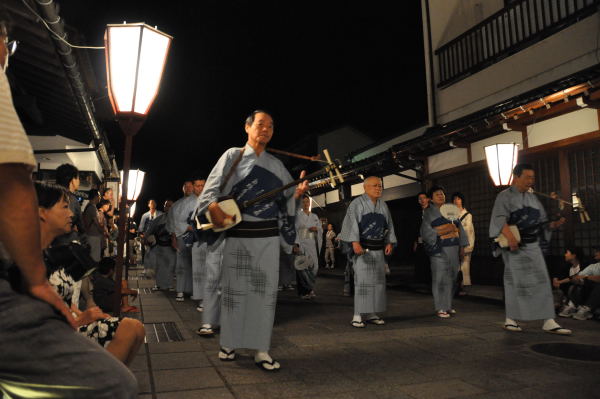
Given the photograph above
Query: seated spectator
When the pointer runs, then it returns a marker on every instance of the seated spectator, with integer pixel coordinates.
(104, 288)
(563, 280)
(40, 354)
(591, 293)
(121, 337)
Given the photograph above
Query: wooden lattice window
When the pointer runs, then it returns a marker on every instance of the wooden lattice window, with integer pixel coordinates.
(584, 169)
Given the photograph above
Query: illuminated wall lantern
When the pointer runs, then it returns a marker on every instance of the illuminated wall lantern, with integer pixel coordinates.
(501, 160)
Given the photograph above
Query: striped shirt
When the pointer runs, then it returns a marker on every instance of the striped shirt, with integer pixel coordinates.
(14, 145)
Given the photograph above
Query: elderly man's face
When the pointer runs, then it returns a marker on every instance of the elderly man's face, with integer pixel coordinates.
(373, 187)
(261, 129)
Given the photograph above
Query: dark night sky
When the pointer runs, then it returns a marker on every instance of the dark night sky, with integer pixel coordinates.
(316, 65)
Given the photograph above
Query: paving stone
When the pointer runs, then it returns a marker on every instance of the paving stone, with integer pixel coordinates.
(209, 393)
(173, 347)
(143, 380)
(165, 307)
(245, 371)
(160, 316)
(140, 363)
(186, 379)
(166, 361)
(286, 389)
(440, 389)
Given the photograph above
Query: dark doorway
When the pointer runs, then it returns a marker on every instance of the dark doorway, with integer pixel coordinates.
(406, 215)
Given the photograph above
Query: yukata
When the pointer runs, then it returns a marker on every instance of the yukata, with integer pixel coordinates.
(250, 264)
(466, 219)
(527, 289)
(287, 273)
(370, 224)
(310, 245)
(443, 255)
(177, 223)
(162, 256)
(147, 219)
(198, 269)
(211, 282)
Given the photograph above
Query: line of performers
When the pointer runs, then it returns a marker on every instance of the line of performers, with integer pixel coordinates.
(236, 274)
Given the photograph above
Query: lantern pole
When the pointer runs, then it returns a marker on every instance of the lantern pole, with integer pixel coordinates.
(129, 127)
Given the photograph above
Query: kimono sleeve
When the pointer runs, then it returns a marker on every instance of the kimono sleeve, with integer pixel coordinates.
(470, 230)
(546, 233)
(212, 187)
(500, 214)
(464, 240)
(287, 213)
(350, 231)
(319, 233)
(430, 238)
(170, 225)
(391, 236)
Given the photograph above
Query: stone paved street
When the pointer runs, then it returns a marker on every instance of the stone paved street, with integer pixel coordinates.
(415, 355)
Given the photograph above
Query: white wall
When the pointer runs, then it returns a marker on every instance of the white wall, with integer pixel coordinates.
(562, 127)
(357, 189)
(332, 196)
(448, 159)
(395, 180)
(319, 199)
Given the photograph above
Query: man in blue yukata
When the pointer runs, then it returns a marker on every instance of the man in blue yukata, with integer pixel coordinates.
(178, 225)
(368, 226)
(527, 289)
(250, 262)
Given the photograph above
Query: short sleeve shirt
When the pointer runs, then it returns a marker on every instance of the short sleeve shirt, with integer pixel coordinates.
(14, 145)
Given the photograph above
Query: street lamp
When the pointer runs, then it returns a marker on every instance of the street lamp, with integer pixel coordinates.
(501, 160)
(136, 55)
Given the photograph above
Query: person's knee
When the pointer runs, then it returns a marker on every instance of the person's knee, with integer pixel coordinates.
(137, 329)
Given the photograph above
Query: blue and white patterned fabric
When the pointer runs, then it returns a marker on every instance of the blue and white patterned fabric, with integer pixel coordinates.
(250, 266)
(527, 290)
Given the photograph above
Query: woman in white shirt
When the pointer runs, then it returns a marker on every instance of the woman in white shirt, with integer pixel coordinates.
(466, 219)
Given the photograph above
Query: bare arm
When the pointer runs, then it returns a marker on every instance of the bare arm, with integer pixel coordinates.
(20, 233)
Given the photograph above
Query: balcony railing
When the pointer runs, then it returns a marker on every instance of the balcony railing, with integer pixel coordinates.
(515, 27)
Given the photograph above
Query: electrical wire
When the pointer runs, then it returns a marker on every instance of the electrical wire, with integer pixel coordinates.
(56, 34)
